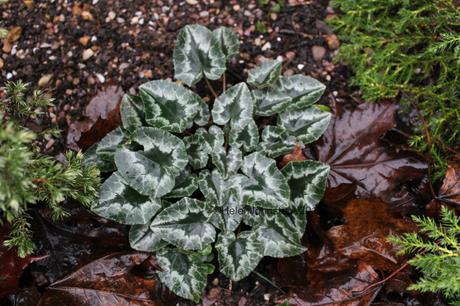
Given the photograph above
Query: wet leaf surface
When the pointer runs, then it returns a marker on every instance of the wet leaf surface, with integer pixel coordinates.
(101, 116)
(449, 193)
(11, 266)
(105, 281)
(361, 163)
(73, 242)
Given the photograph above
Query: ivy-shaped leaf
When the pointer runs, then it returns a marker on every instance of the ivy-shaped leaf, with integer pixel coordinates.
(289, 93)
(183, 273)
(197, 54)
(238, 256)
(266, 74)
(152, 171)
(276, 141)
(121, 203)
(132, 112)
(185, 185)
(185, 224)
(235, 105)
(168, 105)
(216, 189)
(307, 181)
(228, 41)
(266, 186)
(227, 163)
(142, 238)
(307, 125)
(246, 138)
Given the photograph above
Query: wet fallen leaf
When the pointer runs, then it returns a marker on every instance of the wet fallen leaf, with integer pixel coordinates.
(361, 163)
(73, 242)
(11, 266)
(363, 236)
(102, 115)
(296, 154)
(449, 193)
(105, 281)
(343, 290)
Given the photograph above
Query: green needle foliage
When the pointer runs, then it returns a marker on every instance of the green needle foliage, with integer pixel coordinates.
(410, 48)
(28, 177)
(438, 254)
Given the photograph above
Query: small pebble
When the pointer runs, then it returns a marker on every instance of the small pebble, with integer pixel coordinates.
(100, 78)
(300, 66)
(267, 46)
(87, 54)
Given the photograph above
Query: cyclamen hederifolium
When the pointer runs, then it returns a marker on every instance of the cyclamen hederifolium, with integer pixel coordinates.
(180, 170)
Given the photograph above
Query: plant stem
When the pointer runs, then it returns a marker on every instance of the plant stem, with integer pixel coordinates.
(210, 87)
(268, 281)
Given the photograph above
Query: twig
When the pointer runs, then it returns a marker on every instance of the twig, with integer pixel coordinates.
(403, 266)
(210, 87)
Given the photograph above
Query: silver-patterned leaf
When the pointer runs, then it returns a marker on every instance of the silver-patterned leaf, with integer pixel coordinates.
(266, 186)
(132, 112)
(198, 150)
(246, 138)
(185, 185)
(105, 149)
(152, 171)
(203, 115)
(280, 234)
(307, 181)
(276, 141)
(293, 92)
(142, 238)
(183, 273)
(266, 74)
(216, 189)
(197, 53)
(168, 105)
(238, 256)
(122, 204)
(307, 125)
(228, 41)
(227, 163)
(235, 105)
(185, 224)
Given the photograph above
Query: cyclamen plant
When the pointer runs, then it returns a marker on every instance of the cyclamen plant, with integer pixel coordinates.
(189, 176)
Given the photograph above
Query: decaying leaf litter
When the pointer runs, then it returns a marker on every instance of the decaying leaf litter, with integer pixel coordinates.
(348, 260)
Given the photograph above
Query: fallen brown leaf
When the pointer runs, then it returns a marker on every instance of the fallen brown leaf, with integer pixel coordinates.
(102, 115)
(13, 35)
(296, 154)
(105, 281)
(11, 266)
(361, 163)
(339, 290)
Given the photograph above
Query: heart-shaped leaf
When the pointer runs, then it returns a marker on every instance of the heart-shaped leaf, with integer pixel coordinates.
(185, 224)
(266, 186)
(216, 189)
(228, 41)
(238, 256)
(185, 184)
(169, 106)
(307, 182)
(142, 238)
(198, 150)
(132, 112)
(197, 54)
(266, 74)
(279, 233)
(246, 138)
(203, 115)
(152, 171)
(185, 274)
(227, 163)
(276, 141)
(121, 203)
(104, 153)
(235, 105)
(293, 92)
